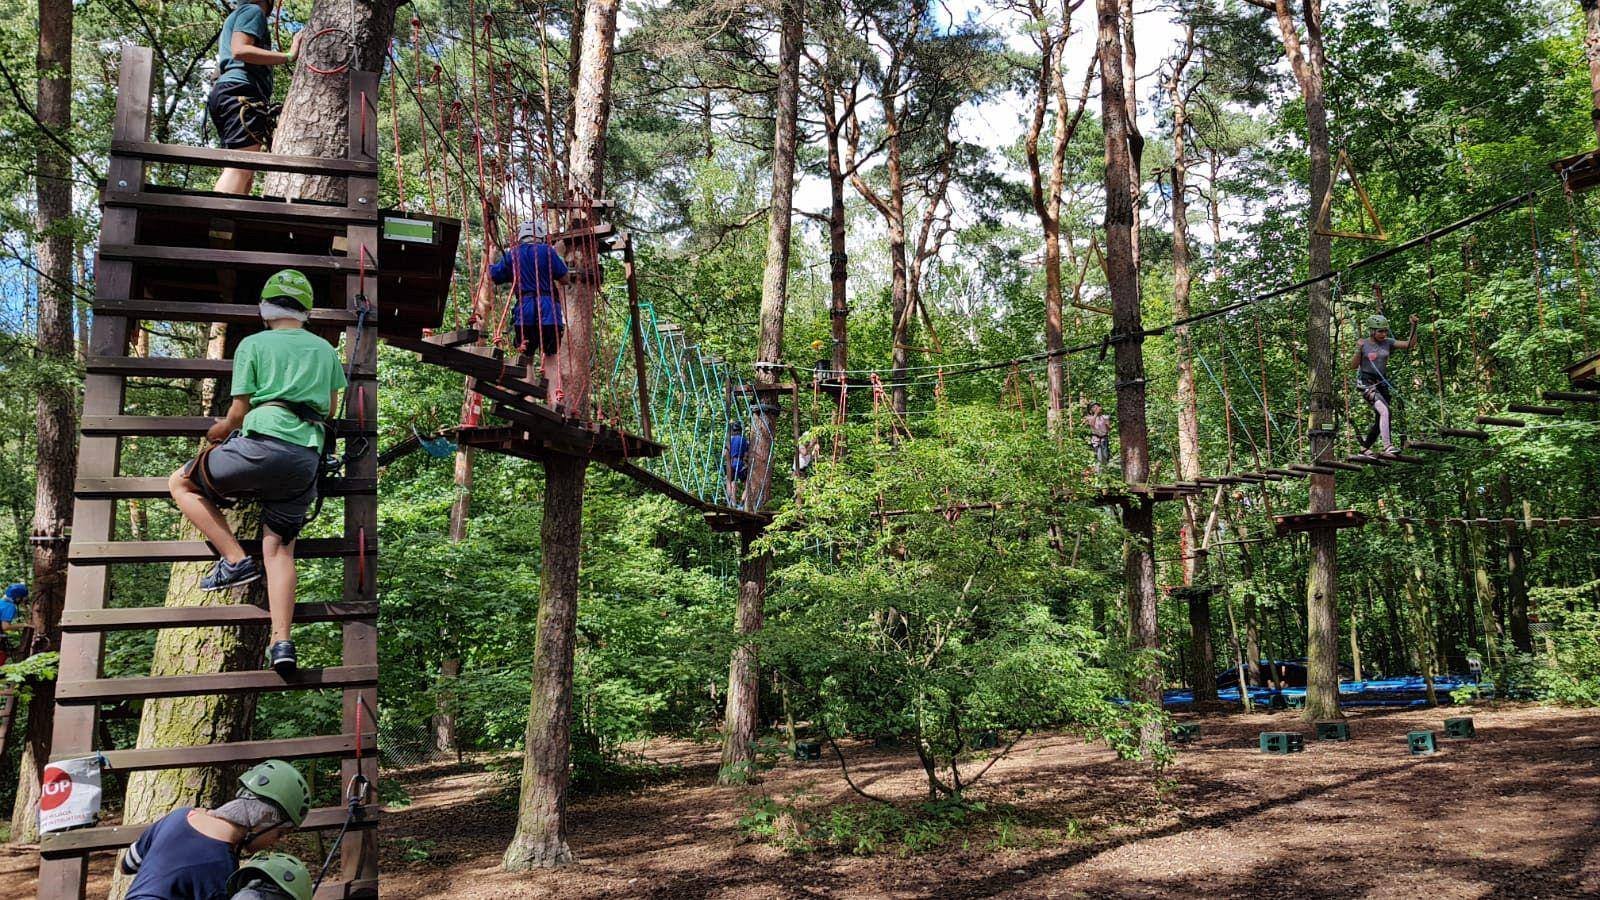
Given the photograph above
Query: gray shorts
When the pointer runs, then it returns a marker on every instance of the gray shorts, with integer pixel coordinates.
(279, 475)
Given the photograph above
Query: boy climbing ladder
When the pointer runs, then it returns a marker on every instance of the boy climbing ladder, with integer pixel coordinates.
(269, 447)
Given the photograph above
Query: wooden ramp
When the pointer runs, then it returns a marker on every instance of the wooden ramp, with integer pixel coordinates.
(168, 256)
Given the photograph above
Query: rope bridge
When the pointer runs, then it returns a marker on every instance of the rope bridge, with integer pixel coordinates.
(693, 400)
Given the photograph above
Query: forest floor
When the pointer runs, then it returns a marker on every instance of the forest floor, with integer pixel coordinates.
(1512, 813)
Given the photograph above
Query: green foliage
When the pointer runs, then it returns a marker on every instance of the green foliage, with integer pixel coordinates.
(872, 829)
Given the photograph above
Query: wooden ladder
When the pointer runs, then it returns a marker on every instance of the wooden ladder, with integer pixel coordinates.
(135, 282)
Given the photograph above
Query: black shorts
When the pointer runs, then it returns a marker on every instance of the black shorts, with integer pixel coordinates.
(242, 117)
(549, 337)
(279, 475)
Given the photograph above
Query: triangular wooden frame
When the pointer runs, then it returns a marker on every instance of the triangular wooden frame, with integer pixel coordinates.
(1321, 227)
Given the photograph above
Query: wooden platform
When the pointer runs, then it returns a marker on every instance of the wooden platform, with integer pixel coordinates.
(1580, 171)
(1297, 522)
(1585, 373)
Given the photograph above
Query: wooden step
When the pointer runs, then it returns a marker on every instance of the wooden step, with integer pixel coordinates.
(1313, 470)
(482, 363)
(1501, 421)
(240, 753)
(1432, 446)
(155, 487)
(181, 154)
(206, 257)
(176, 367)
(453, 338)
(1468, 433)
(1367, 459)
(1534, 409)
(1406, 458)
(101, 553)
(1570, 396)
(1337, 464)
(312, 214)
(197, 311)
(148, 617)
(183, 426)
(110, 690)
(115, 837)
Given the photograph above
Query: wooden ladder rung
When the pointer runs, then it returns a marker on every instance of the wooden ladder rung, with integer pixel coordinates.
(1535, 409)
(240, 752)
(242, 209)
(1501, 421)
(174, 367)
(115, 837)
(228, 313)
(101, 553)
(183, 426)
(154, 487)
(1338, 464)
(140, 618)
(1432, 446)
(1570, 396)
(111, 690)
(1473, 434)
(235, 259)
(453, 338)
(262, 162)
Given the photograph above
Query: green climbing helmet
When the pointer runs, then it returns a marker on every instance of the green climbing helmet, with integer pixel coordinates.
(289, 283)
(283, 870)
(282, 785)
(1377, 323)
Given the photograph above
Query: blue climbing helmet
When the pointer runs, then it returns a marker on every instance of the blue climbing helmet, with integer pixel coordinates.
(17, 592)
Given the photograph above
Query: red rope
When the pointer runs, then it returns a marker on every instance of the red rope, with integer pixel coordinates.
(394, 121)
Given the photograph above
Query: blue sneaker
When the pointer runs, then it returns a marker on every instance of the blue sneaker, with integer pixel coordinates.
(281, 657)
(226, 575)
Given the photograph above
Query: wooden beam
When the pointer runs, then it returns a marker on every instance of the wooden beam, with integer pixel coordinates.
(82, 841)
(1501, 421)
(185, 426)
(101, 553)
(155, 487)
(305, 214)
(237, 753)
(182, 154)
(197, 311)
(140, 618)
(206, 257)
(110, 690)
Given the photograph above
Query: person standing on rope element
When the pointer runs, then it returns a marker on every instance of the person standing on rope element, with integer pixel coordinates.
(736, 464)
(193, 854)
(533, 268)
(240, 104)
(1099, 425)
(1372, 376)
(269, 447)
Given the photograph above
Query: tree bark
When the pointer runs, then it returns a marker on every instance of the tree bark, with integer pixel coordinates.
(541, 835)
(1322, 579)
(315, 114)
(744, 673)
(1516, 574)
(55, 412)
(1591, 46)
(540, 840)
(1127, 325)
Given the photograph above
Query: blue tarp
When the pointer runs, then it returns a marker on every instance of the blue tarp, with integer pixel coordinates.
(1408, 691)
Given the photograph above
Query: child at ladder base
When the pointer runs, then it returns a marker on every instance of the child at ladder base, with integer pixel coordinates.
(1372, 377)
(269, 448)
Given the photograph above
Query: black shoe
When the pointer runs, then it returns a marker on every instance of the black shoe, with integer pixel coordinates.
(281, 655)
(226, 575)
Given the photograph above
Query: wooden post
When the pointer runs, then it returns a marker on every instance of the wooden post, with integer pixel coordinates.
(88, 586)
(359, 854)
(637, 336)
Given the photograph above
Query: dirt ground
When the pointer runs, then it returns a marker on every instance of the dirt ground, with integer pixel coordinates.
(1513, 813)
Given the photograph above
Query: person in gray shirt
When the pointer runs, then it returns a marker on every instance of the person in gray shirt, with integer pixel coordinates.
(1372, 376)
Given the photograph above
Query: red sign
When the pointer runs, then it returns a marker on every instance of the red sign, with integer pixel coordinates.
(56, 789)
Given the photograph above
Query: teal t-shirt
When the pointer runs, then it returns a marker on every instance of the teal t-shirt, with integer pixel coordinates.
(249, 19)
(289, 364)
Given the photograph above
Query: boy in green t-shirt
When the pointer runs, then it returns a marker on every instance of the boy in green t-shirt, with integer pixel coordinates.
(268, 449)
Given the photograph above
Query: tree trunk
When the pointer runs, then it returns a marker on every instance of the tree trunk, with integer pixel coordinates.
(541, 836)
(1322, 579)
(744, 673)
(1132, 431)
(742, 717)
(55, 412)
(1591, 43)
(838, 258)
(1046, 192)
(1516, 574)
(315, 114)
